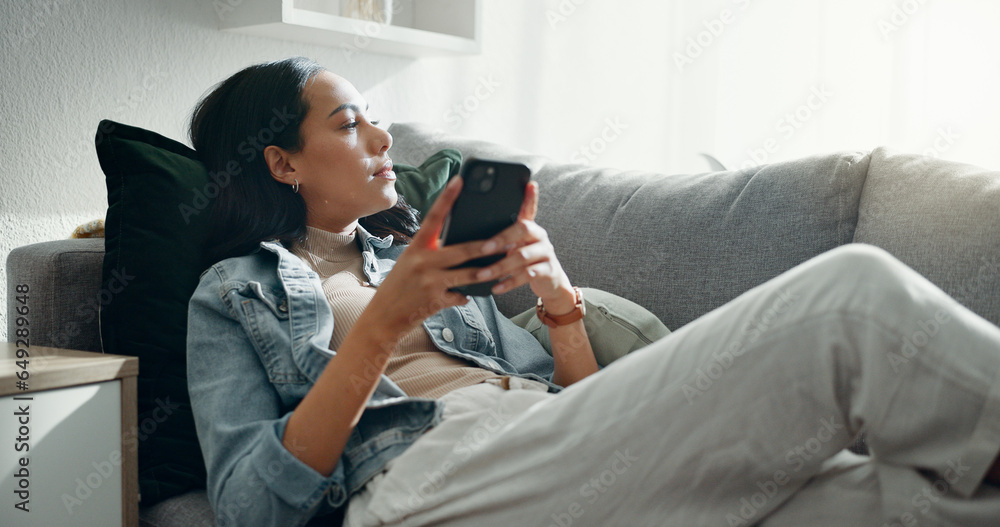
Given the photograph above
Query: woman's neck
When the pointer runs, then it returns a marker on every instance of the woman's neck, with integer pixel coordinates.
(334, 227)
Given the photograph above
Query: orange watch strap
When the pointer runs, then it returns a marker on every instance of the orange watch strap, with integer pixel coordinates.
(553, 321)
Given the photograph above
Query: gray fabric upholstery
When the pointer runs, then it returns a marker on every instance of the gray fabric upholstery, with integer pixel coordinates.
(192, 509)
(187, 510)
(64, 280)
(942, 219)
(678, 245)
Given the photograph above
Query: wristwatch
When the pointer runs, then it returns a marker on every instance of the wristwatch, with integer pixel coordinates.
(554, 321)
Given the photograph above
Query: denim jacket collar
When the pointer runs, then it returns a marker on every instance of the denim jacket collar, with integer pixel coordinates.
(377, 254)
(310, 320)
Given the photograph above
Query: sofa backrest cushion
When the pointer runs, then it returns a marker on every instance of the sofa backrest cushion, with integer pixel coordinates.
(939, 217)
(678, 245)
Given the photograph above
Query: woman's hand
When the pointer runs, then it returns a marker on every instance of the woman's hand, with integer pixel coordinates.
(417, 287)
(530, 259)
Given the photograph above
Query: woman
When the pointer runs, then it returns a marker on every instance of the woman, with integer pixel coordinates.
(437, 410)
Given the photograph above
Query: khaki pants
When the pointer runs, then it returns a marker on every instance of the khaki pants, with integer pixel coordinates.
(738, 418)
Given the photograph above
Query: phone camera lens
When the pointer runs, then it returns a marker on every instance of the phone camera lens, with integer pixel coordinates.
(485, 179)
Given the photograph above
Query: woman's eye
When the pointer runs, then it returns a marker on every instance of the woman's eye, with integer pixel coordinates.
(354, 124)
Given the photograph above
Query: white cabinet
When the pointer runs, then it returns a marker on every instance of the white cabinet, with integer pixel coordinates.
(74, 472)
(69, 451)
(418, 27)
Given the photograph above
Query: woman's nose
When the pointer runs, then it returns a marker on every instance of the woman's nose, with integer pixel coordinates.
(383, 139)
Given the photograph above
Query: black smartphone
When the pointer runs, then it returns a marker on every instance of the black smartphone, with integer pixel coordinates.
(491, 197)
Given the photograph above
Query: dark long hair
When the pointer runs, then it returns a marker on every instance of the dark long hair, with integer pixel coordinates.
(260, 106)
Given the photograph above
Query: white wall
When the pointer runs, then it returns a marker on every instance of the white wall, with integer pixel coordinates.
(566, 74)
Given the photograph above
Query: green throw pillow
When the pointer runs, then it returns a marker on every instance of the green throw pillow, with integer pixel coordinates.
(615, 326)
(154, 248)
(420, 186)
(159, 200)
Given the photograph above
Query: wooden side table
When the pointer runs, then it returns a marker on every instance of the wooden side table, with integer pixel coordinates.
(69, 449)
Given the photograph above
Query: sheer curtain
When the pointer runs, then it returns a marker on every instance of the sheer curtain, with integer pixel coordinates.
(785, 79)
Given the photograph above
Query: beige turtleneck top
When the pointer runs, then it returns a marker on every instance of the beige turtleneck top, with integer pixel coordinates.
(416, 365)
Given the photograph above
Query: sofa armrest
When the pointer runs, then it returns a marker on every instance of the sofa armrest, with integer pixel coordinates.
(64, 292)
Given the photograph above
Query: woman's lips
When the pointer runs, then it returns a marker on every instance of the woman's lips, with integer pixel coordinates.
(386, 172)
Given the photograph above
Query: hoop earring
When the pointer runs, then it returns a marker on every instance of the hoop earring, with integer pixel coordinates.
(295, 187)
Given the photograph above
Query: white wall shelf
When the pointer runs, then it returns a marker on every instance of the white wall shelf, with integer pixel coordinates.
(418, 28)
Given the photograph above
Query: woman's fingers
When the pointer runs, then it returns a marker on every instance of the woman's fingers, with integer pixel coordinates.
(430, 227)
(542, 277)
(460, 277)
(516, 259)
(449, 256)
(529, 207)
(522, 232)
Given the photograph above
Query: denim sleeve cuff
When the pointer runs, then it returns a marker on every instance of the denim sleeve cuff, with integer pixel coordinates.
(290, 479)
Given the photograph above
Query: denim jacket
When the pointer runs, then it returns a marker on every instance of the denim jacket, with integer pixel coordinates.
(259, 330)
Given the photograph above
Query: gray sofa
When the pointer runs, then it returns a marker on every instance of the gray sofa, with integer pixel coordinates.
(680, 245)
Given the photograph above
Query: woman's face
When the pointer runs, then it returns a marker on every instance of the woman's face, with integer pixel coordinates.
(343, 168)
